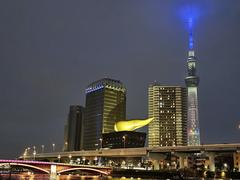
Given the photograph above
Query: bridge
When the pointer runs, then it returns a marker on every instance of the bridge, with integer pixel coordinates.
(156, 155)
(54, 169)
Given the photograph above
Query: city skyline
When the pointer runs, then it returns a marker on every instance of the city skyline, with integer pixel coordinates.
(50, 54)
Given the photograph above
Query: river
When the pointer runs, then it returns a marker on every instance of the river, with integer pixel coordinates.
(61, 177)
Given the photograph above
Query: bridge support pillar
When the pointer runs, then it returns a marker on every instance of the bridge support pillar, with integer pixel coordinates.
(211, 157)
(156, 165)
(236, 160)
(157, 159)
(182, 160)
(53, 172)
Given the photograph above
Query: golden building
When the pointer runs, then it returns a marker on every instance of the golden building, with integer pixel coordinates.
(131, 125)
(105, 104)
(168, 106)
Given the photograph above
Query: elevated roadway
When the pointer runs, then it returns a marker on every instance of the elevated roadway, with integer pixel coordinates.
(139, 152)
(156, 155)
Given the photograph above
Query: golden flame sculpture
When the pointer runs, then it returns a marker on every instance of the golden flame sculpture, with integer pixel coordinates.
(131, 125)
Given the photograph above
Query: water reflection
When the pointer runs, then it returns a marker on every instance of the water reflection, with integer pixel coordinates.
(46, 177)
(61, 177)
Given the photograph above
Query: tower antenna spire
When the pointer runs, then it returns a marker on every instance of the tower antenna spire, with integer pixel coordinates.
(190, 29)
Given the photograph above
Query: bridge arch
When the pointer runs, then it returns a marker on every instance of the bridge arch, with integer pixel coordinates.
(82, 168)
(30, 166)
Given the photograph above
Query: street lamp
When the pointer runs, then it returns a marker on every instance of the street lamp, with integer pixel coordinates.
(124, 141)
(25, 154)
(27, 150)
(66, 146)
(78, 161)
(59, 158)
(168, 165)
(95, 160)
(34, 153)
(70, 157)
(100, 143)
(225, 166)
(53, 147)
(84, 159)
(42, 148)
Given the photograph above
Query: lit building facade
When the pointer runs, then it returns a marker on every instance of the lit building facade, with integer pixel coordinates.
(105, 104)
(168, 106)
(74, 129)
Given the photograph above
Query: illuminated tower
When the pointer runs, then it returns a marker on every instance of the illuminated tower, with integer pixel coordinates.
(192, 81)
(105, 104)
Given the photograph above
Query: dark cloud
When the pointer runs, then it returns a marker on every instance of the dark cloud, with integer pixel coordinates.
(51, 50)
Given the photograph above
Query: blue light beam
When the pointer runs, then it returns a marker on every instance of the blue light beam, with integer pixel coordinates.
(190, 30)
(189, 14)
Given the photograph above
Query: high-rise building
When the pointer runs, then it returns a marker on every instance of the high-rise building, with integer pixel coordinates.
(192, 81)
(105, 104)
(168, 106)
(74, 129)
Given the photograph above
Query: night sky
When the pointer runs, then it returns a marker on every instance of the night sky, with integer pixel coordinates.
(51, 50)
